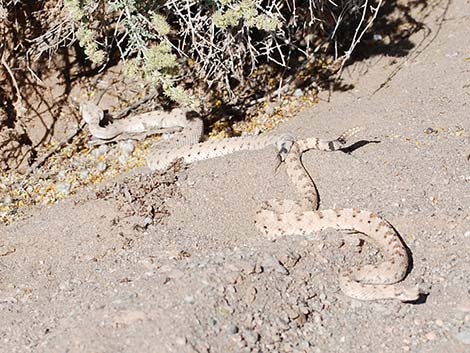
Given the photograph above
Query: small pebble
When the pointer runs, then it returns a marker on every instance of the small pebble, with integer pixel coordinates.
(430, 131)
(189, 299)
(127, 147)
(251, 337)
(271, 262)
(271, 108)
(63, 188)
(103, 149)
(292, 313)
(100, 151)
(431, 336)
(84, 173)
(377, 37)
(180, 341)
(301, 320)
(232, 329)
(298, 93)
(7, 200)
(101, 166)
(353, 241)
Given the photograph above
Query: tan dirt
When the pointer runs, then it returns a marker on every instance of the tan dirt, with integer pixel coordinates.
(84, 275)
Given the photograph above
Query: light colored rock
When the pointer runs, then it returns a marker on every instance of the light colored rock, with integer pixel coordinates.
(127, 147)
(101, 166)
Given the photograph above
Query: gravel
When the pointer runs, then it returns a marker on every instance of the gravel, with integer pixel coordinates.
(161, 263)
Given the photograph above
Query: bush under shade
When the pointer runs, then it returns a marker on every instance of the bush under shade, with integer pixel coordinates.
(215, 42)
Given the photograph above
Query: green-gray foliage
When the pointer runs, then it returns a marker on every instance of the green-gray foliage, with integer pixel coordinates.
(224, 40)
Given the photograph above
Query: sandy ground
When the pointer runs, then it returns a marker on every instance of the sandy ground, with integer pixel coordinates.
(81, 276)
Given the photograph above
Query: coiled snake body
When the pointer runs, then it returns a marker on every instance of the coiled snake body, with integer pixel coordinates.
(278, 218)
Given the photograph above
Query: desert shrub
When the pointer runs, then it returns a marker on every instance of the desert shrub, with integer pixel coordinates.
(193, 51)
(214, 42)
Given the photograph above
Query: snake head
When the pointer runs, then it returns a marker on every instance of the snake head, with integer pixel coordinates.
(91, 113)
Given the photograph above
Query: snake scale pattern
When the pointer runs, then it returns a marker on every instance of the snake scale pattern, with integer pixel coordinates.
(279, 218)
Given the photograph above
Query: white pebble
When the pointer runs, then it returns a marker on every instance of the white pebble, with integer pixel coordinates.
(232, 329)
(127, 147)
(298, 93)
(180, 341)
(100, 151)
(189, 299)
(377, 37)
(63, 188)
(84, 173)
(101, 166)
(270, 109)
(7, 200)
(103, 149)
